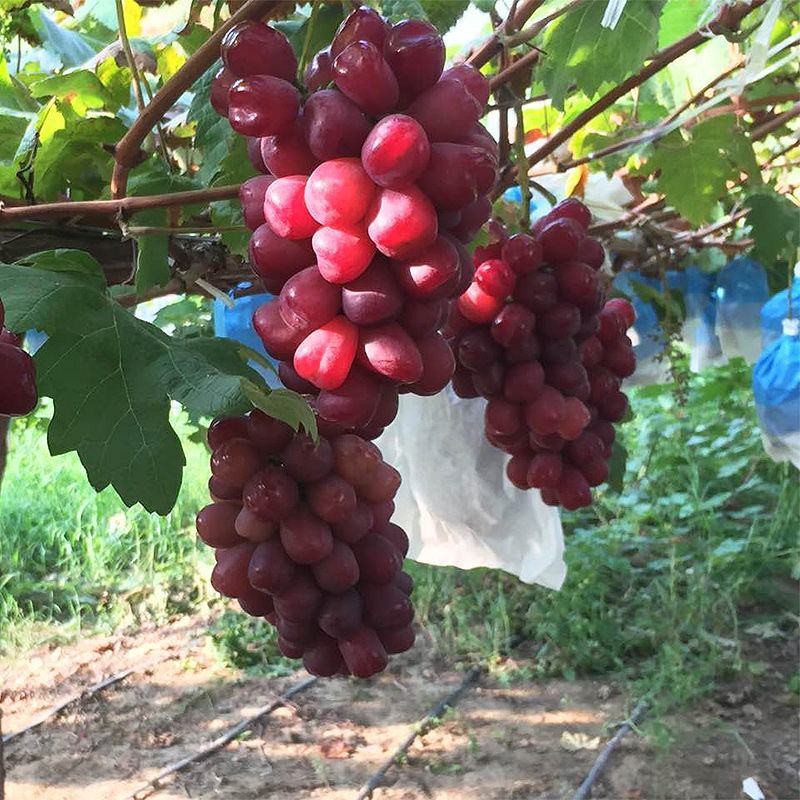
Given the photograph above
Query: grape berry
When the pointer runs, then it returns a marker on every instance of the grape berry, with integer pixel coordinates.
(18, 393)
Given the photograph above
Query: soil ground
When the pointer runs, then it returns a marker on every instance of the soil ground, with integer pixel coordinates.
(529, 739)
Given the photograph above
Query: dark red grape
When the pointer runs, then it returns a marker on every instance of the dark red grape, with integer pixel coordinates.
(319, 72)
(385, 606)
(363, 653)
(270, 569)
(341, 614)
(216, 525)
(523, 382)
(396, 152)
(224, 428)
(229, 576)
(334, 125)
(396, 640)
(543, 415)
(305, 461)
(354, 403)
(415, 52)
(450, 96)
(338, 571)
(517, 471)
(253, 48)
(235, 461)
(262, 105)
(544, 470)
(323, 657)
(362, 74)
(364, 24)
(358, 524)
(251, 527)
(378, 559)
(389, 351)
(301, 600)
(271, 494)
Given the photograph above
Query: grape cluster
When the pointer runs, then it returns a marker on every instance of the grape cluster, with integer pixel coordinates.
(369, 190)
(18, 393)
(303, 537)
(533, 334)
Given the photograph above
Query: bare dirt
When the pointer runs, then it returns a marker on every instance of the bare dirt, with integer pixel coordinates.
(502, 742)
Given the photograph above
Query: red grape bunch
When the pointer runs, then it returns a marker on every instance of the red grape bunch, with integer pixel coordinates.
(303, 537)
(18, 393)
(534, 335)
(370, 188)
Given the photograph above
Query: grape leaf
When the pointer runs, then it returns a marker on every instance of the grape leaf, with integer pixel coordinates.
(695, 165)
(580, 51)
(225, 213)
(213, 137)
(679, 18)
(775, 224)
(112, 376)
(82, 84)
(71, 47)
(283, 404)
(444, 15)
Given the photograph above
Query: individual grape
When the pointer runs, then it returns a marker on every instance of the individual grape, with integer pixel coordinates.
(381, 485)
(305, 537)
(586, 447)
(559, 351)
(216, 525)
(517, 471)
(355, 459)
(255, 603)
(527, 350)
(415, 52)
(341, 614)
(421, 318)
(477, 350)
(401, 222)
(495, 278)
(300, 632)
(590, 325)
(571, 208)
(358, 524)
(275, 259)
(389, 351)
(290, 649)
(544, 470)
(515, 444)
(550, 497)
(620, 359)
(334, 125)
(385, 606)
(503, 417)
(222, 493)
(513, 325)
(338, 571)
(270, 568)
(404, 582)
(270, 435)
(229, 576)
(489, 382)
(559, 321)
(473, 218)
(362, 74)
(251, 196)
(387, 408)
(323, 658)
(301, 600)
(354, 403)
(396, 536)
(253, 48)
(332, 499)
(339, 192)
(285, 209)
(250, 526)
(382, 513)
(291, 380)
(343, 253)
(235, 461)
(18, 392)
(428, 274)
(456, 174)
(602, 383)
(378, 560)
(325, 356)
(543, 415)
(438, 365)
(396, 640)
(305, 461)
(591, 253)
(363, 653)
(596, 471)
(611, 327)
(474, 82)
(7, 337)
(522, 253)
(575, 419)
(478, 136)
(577, 283)
(396, 152)
(280, 340)
(560, 240)
(604, 431)
(573, 490)
(478, 306)
(271, 494)
(364, 24)
(462, 110)
(319, 72)
(262, 105)
(613, 408)
(591, 352)
(373, 296)
(218, 93)
(254, 154)
(623, 309)
(537, 291)
(224, 428)
(523, 382)
(288, 154)
(568, 377)
(550, 442)
(307, 301)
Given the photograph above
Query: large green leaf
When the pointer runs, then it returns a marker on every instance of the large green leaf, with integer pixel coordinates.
(696, 165)
(71, 47)
(775, 224)
(579, 50)
(111, 377)
(82, 84)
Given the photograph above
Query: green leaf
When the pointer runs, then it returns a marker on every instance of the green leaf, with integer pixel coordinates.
(579, 50)
(117, 83)
(283, 404)
(83, 84)
(72, 48)
(395, 10)
(696, 165)
(617, 465)
(111, 377)
(444, 13)
(225, 213)
(679, 18)
(62, 260)
(214, 137)
(775, 224)
(152, 252)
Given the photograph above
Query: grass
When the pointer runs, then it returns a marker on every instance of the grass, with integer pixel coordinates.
(666, 583)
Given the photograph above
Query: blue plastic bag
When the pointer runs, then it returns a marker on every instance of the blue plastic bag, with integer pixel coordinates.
(776, 386)
(514, 195)
(646, 334)
(699, 327)
(741, 292)
(237, 323)
(776, 309)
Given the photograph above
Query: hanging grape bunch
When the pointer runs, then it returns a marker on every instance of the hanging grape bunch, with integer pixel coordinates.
(370, 190)
(18, 393)
(303, 537)
(534, 335)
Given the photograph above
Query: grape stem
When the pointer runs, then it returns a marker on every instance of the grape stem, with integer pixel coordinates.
(127, 149)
